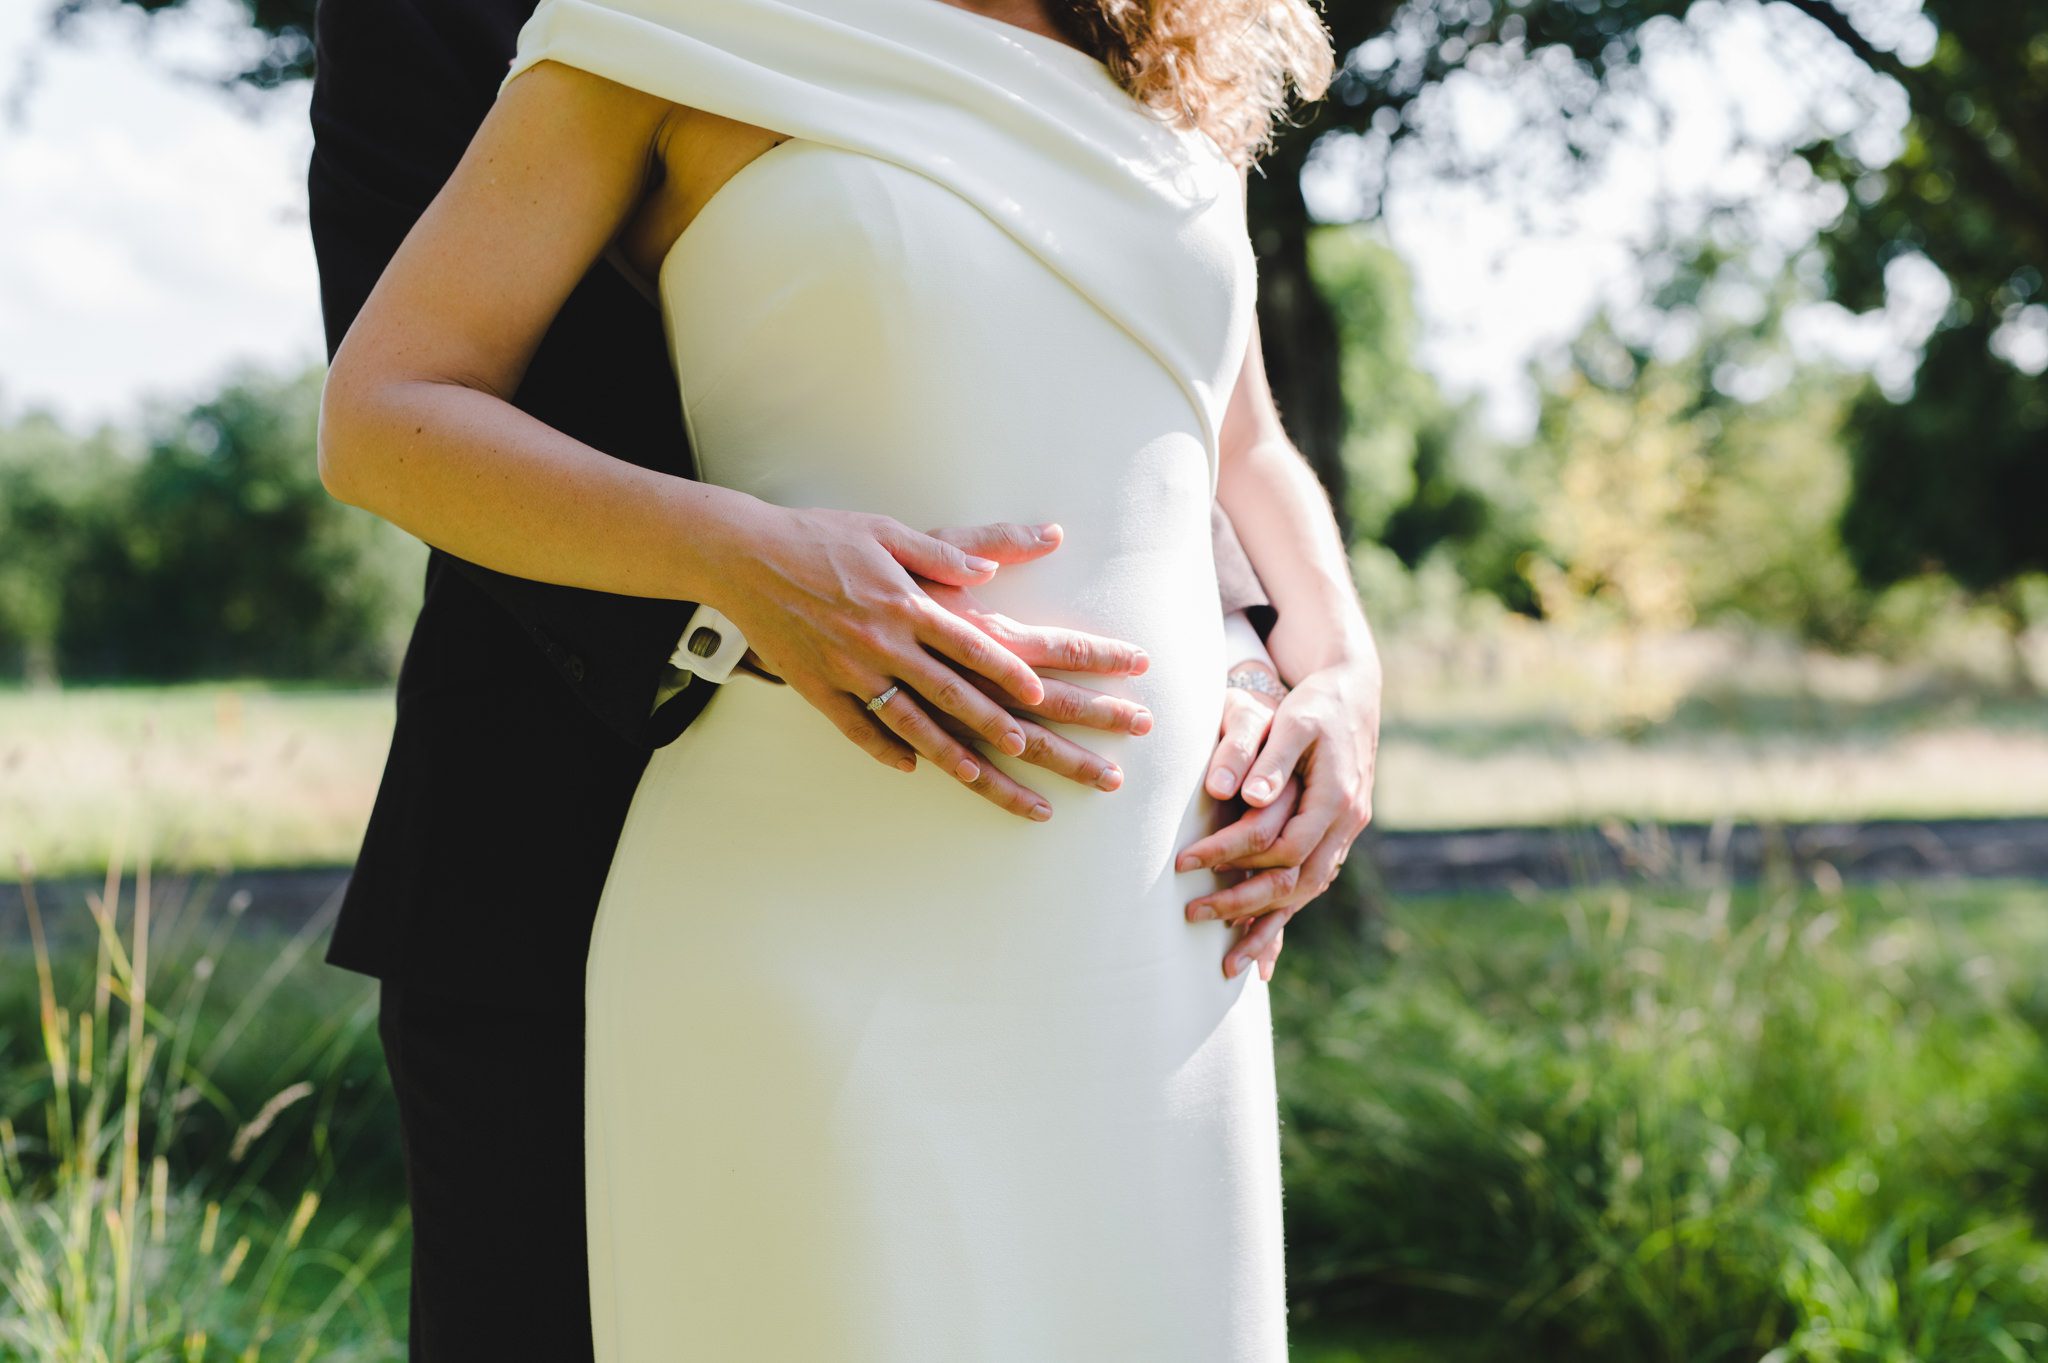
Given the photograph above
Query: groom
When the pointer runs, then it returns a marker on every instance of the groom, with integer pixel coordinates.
(526, 712)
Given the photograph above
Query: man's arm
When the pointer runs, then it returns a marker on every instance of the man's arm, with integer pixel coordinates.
(1243, 595)
(395, 101)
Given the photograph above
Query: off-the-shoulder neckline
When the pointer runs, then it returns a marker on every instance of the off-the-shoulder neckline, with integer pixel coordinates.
(1027, 35)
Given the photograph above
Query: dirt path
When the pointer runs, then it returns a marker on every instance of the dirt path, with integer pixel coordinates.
(1405, 863)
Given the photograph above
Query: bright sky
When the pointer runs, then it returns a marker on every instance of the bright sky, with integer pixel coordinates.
(152, 227)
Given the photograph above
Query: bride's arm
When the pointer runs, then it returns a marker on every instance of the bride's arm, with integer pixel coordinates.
(416, 425)
(416, 421)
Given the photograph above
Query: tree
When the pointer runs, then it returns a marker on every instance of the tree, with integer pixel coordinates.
(1970, 193)
(205, 547)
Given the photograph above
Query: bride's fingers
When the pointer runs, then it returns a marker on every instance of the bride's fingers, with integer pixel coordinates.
(903, 716)
(852, 719)
(1062, 756)
(950, 693)
(924, 732)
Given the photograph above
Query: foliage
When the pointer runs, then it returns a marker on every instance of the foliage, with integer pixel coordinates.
(1661, 502)
(1950, 480)
(213, 550)
(1641, 1126)
(148, 1211)
(1423, 478)
(54, 497)
(1611, 1126)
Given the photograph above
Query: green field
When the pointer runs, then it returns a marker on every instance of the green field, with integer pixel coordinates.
(1603, 1126)
(1511, 730)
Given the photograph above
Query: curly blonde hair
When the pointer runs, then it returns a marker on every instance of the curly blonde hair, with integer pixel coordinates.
(1224, 67)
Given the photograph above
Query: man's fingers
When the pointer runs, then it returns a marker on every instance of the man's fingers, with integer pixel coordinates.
(1255, 894)
(1319, 872)
(978, 653)
(1315, 819)
(1065, 650)
(1003, 541)
(1260, 942)
(1244, 837)
(1246, 721)
(929, 556)
(1069, 703)
(1269, 959)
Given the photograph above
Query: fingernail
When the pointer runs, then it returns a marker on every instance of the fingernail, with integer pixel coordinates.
(1041, 812)
(982, 565)
(1048, 532)
(1143, 660)
(1220, 781)
(966, 771)
(1142, 724)
(1199, 912)
(1188, 862)
(1258, 788)
(1231, 966)
(1013, 743)
(1110, 779)
(906, 764)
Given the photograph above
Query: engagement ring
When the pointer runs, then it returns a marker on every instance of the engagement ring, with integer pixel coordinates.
(879, 701)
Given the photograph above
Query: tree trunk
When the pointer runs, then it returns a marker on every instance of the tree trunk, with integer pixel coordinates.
(1296, 326)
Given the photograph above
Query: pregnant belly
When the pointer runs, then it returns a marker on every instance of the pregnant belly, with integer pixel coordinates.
(788, 847)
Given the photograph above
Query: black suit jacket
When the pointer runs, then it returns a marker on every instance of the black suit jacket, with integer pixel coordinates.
(523, 707)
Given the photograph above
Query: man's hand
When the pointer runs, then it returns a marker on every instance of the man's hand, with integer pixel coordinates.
(840, 605)
(1328, 728)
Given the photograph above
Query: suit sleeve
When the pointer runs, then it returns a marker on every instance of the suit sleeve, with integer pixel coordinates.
(1236, 579)
(392, 113)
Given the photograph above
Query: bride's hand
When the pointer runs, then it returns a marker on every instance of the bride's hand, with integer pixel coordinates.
(830, 603)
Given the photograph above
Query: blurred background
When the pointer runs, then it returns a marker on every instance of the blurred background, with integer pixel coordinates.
(1676, 371)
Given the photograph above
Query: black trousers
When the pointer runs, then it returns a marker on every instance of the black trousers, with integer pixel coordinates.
(490, 1105)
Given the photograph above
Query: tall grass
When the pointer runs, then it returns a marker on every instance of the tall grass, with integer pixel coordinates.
(129, 1231)
(1782, 1125)
(1777, 1125)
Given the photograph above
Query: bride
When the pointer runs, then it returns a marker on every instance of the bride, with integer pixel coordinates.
(874, 1072)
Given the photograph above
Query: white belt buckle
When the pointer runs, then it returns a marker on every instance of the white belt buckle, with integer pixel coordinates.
(711, 646)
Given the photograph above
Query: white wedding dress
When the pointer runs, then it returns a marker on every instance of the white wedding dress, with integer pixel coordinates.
(877, 1072)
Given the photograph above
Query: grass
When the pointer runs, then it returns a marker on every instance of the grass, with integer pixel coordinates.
(1783, 1124)
(1504, 727)
(178, 1108)
(242, 775)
